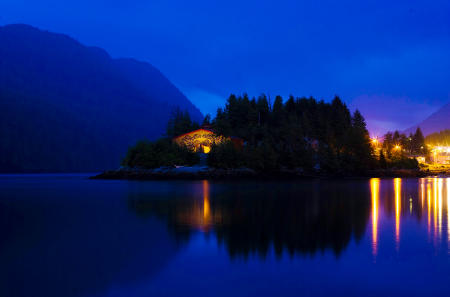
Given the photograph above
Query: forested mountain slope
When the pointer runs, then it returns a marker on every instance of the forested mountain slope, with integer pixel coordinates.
(65, 107)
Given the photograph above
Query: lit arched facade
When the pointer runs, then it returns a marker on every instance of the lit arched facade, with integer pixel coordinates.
(199, 140)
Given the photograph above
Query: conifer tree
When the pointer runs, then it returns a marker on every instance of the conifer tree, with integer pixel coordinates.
(382, 161)
(418, 143)
(179, 123)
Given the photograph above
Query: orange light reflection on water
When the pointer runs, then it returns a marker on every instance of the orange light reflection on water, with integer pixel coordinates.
(374, 187)
(448, 211)
(206, 206)
(429, 209)
(435, 208)
(440, 188)
(398, 205)
(433, 201)
(422, 192)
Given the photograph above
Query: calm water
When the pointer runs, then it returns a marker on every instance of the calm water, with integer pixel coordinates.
(65, 235)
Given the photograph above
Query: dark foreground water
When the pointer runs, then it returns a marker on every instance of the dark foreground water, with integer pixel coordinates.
(65, 235)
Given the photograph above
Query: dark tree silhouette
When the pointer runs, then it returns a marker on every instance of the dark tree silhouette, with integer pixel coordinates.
(299, 133)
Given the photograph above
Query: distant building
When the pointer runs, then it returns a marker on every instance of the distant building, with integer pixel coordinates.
(420, 159)
(201, 140)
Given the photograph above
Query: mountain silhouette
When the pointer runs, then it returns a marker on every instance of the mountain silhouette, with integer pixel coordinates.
(66, 107)
(438, 121)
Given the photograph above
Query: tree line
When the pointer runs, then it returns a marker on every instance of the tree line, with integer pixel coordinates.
(398, 150)
(296, 134)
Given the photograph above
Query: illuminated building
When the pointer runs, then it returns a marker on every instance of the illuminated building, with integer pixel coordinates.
(420, 159)
(441, 154)
(201, 140)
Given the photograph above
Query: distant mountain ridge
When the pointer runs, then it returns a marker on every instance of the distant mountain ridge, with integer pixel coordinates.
(438, 121)
(68, 107)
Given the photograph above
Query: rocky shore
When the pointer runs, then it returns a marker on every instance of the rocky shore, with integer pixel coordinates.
(205, 172)
(194, 172)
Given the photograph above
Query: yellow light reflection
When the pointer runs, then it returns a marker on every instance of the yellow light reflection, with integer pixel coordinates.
(206, 206)
(397, 192)
(435, 207)
(429, 208)
(422, 193)
(440, 187)
(448, 211)
(374, 187)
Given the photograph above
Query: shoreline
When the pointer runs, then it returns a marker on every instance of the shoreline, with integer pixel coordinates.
(204, 172)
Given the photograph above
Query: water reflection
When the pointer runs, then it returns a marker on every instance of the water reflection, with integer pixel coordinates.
(448, 211)
(398, 206)
(206, 206)
(72, 237)
(428, 200)
(374, 187)
(80, 237)
(303, 218)
(254, 218)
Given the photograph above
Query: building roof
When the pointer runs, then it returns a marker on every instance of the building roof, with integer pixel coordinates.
(187, 133)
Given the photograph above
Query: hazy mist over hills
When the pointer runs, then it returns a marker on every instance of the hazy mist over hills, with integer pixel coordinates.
(438, 121)
(67, 107)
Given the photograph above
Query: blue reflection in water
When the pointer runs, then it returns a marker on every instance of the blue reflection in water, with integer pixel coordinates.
(70, 236)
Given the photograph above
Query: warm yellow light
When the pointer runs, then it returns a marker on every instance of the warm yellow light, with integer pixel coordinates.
(397, 147)
(206, 149)
(374, 187)
(429, 207)
(398, 194)
(440, 190)
(435, 208)
(448, 209)
(206, 206)
(422, 192)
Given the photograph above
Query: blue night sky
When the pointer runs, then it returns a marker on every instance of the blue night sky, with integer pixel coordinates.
(390, 59)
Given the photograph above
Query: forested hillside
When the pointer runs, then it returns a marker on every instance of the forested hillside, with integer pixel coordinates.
(298, 133)
(66, 107)
(301, 134)
(438, 121)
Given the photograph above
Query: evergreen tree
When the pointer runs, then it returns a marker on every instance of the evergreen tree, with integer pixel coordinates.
(418, 143)
(221, 123)
(300, 133)
(361, 147)
(388, 144)
(179, 123)
(399, 150)
(207, 120)
(382, 161)
(277, 111)
(262, 106)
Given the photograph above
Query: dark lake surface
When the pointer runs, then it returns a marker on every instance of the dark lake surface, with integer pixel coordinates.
(66, 235)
